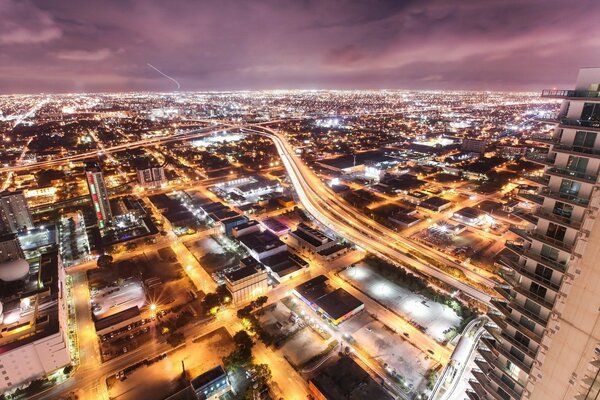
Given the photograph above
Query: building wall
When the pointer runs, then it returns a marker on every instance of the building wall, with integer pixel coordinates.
(249, 288)
(14, 212)
(574, 332)
(33, 360)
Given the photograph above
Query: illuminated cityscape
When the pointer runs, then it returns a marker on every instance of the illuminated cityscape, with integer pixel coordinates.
(302, 220)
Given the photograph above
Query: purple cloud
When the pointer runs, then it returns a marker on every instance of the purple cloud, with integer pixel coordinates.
(70, 45)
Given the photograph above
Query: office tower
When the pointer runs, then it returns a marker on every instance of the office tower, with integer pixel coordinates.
(152, 176)
(99, 194)
(544, 338)
(14, 212)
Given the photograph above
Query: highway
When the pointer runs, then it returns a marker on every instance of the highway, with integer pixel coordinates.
(324, 205)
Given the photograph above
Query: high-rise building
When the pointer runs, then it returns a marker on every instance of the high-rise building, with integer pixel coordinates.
(543, 342)
(99, 194)
(10, 247)
(14, 212)
(152, 176)
(474, 145)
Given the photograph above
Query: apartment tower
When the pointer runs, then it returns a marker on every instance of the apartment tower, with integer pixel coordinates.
(99, 194)
(14, 212)
(543, 339)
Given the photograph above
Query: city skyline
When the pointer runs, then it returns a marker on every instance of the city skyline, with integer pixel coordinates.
(70, 46)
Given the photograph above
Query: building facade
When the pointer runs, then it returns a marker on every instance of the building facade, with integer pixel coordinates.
(152, 177)
(247, 283)
(34, 326)
(544, 337)
(98, 193)
(14, 212)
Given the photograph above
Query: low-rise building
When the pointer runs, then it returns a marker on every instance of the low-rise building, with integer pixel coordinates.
(307, 238)
(247, 283)
(128, 317)
(435, 204)
(469, 215)
(336, 305)
(212, 384)
(261, 245)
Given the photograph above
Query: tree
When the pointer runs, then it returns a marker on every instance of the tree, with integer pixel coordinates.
(104, 261)
(210, 301)
(261, 301)
(176, 339)
(242, 339)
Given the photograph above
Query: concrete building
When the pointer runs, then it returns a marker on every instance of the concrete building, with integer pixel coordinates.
(152, 177)
(33, 322)
(307, 238)
(261, 245)
(98, 193)
(544, 337)
(14, 212)
(247, 283)
(211, 385)
(474, 145)
(10, 248)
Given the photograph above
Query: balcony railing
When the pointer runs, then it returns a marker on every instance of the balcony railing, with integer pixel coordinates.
(590, 94)
(569, 222)
(578, 123)
(523, 270)
(519, 250)
(541, 158)
(533, 234)
(580, 176)
(569, 198)
(539, 179)
(545, 139)
(585, 151)
(535, 198)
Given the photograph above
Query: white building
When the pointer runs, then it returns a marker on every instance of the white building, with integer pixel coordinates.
(33, 323)
(152, 177)
(543, 342)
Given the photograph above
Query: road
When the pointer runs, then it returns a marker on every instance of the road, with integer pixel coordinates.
(326, 207)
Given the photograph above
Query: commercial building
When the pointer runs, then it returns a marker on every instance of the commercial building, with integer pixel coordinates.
(435, 204)
(246, 228)
(336, 305)
(285, 265)
(14, 212)
(345, 380)
(115, 322)
(152, 177)
(247, 283)
(33, 321)
(261, 245)
(98, 193)
(212, 384)
(230, 223)
(469, 215)
(543, 339)
(307, 238)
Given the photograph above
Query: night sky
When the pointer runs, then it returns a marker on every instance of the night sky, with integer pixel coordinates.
(80, 45)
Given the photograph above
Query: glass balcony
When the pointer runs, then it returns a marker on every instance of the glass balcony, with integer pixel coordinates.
(568, 222)
(579, 150)
(566, 173)
(520, 250)
(568, 198)
(545, 138)
(579, 123)
(540, 158)
(571, 94)
(533, 234)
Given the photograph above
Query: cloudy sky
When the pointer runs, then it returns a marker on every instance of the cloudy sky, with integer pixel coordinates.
(84, 45)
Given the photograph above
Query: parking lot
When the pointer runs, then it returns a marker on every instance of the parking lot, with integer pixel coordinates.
(393, 352)
(164, 377)
(435, 319)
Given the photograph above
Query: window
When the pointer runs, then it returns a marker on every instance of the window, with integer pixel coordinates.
(524, 340)
(512, 369)
(584, 139)
(508, 381)
(527, 323)
(563, 210)
(569, 187)
(538, 290)
(549, 253)
(543, 272)
(577, 164)
(517, 353)
(556, 232)
(591, 112)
